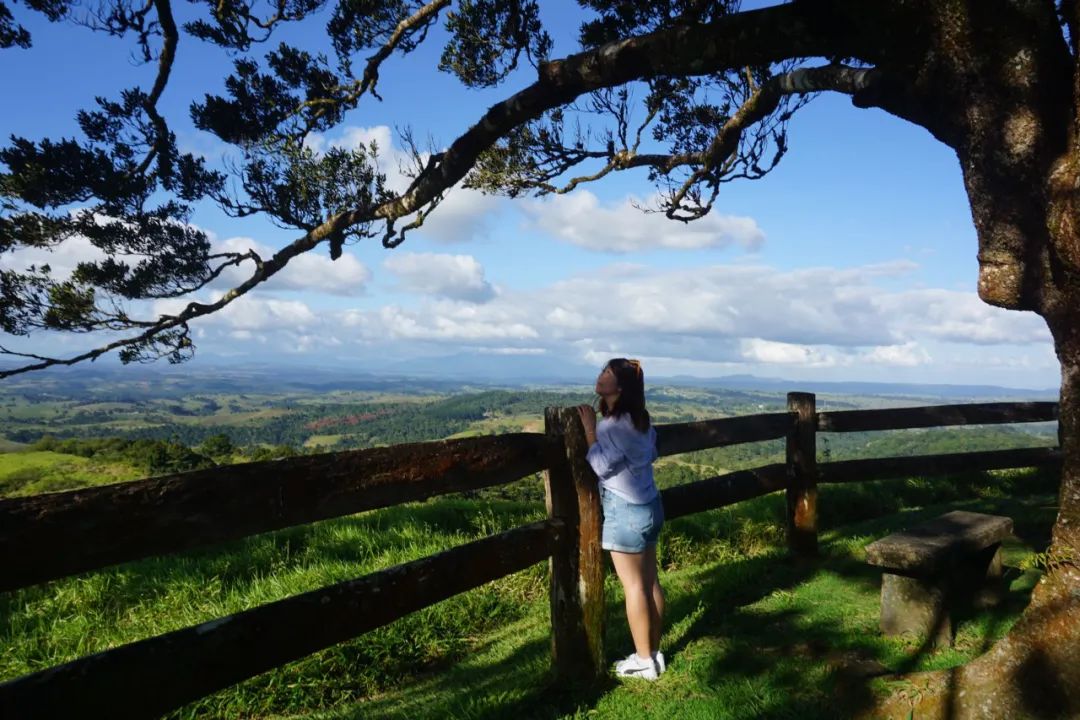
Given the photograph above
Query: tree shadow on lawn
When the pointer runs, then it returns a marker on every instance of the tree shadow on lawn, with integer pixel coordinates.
(519, 684)
(748, 636)
(497, 683)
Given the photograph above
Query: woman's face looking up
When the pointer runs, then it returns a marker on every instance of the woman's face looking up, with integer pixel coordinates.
(606, 384)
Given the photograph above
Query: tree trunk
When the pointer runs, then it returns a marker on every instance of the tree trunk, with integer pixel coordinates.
(999, 85)
(1034, 671)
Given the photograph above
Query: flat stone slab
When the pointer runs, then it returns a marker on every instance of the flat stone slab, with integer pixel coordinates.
(934, 545)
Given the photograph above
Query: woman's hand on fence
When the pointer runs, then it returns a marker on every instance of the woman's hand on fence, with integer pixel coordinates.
(588, 421)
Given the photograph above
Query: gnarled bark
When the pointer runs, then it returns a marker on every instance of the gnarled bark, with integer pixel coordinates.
(996, 81)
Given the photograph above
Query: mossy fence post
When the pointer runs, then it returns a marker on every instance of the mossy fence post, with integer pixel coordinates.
(802, 475)
(577, 567)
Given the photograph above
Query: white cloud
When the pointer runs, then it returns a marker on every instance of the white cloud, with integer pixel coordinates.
(257, 324)
(779, 353)
(251, 312)
(462, 216)
(458, 277)
(809, 307)
(703, 314)
(61, 259)
(512, 350)
(444, 321)
(312, 271)
(909, 354)
(962, 317)
(256, 313)
(714, 320)
(580, 219)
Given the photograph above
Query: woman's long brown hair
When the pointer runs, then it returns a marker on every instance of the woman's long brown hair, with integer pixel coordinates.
(631, 381)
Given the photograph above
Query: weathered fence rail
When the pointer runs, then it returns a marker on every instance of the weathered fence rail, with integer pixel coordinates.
(936, 416)
(723, 490)
(50, 536)
(679, 438)
(152, 676)
(844, 471)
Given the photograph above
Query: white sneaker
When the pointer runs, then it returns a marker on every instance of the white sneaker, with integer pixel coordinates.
(661, 666)
(633, 666)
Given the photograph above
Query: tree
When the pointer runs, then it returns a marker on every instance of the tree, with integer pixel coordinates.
(996, 80)
(219, 447)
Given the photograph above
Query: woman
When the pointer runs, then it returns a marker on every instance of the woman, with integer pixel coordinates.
(622, 448)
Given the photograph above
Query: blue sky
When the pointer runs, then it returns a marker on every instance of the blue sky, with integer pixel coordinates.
(853, 260)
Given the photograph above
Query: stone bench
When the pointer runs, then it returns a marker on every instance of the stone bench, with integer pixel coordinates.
(933, 568)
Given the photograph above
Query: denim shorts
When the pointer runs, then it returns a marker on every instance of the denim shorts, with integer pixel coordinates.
(630, 527)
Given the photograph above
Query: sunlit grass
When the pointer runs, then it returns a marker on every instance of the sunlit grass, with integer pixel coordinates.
(34, 472)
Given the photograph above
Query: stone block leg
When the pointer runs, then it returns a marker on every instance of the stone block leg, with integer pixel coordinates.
(989, 582)
(915, 605)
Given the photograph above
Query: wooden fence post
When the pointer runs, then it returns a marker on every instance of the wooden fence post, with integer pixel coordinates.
(577, 567)
(802, 475)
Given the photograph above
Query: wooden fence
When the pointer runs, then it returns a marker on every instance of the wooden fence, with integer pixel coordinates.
(55, 535)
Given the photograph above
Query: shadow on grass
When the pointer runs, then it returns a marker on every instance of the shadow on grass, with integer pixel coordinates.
(518, 684)
(760, 637)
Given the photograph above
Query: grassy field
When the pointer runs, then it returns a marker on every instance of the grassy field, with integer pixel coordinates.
(29, 473)
(750, 635)
(7, 446)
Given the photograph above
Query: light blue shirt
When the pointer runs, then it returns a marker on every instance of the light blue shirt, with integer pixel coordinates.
(622, 458)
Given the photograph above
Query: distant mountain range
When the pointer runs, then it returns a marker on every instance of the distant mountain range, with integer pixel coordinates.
(451, 372)
(752, 382)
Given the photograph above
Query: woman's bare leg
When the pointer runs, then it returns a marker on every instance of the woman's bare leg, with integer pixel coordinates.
(656, 594)
(637, 582)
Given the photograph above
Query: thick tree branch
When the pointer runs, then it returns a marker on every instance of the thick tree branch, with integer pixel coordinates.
(348, 95)
(759, 37)
(165, 63)
(424, 16)
(761, 103)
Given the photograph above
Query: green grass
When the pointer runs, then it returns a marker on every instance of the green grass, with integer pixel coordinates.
(7, 446)
(522, 422)
(326, 441)
(749, 634)
(30, 473)
(65, 619)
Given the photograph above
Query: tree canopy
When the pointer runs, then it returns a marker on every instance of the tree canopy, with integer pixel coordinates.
(717, 90)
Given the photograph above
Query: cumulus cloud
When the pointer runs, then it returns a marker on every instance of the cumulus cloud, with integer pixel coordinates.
(580, 219)
(256, 323)
(463, 216)
(312, 271)
(717, 319)
(512, 350)
(457, 277)
(61, 259)
(962, 317)
(441, 321)
(909, 354)
(808, 307)
(716, 314)
(780, 353)
(251, 312)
